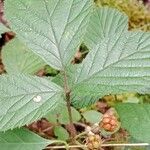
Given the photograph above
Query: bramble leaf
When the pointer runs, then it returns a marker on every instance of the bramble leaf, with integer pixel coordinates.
(105, 22)
(24, 99)
(53, 29)
(116, 65)
(18, 59)
(136, 119)
(22, 139)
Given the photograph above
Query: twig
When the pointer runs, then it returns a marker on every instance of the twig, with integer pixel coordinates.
(68, 101)
(47, 129)
(103, 145)
(63, 147)
(126, 144)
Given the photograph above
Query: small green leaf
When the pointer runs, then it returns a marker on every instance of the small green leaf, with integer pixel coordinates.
(92, 116)
(22, 139)
(53, 29)
(136, 119)
(24, 99)
(18, 59)
(64, 117)
(61, 133)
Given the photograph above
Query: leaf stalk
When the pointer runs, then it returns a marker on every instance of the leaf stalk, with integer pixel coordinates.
(68, 103)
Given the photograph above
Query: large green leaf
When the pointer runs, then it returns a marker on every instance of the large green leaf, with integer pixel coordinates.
(18, 59)
(24, 99)
(105, 22)
(22, 139)
(136, 119)
(53, 29)
(117, 64)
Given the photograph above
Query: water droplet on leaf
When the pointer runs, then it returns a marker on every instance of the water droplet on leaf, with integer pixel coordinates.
(37, 99)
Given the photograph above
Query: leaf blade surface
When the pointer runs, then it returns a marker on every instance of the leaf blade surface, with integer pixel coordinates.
(25, 99)
(53, 29)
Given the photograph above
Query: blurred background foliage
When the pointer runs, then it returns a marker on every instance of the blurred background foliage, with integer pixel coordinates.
(137, 11)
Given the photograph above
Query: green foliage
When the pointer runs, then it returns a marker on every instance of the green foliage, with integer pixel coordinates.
(138, 12)
(92, 116)
(118, 61)
(18, 59)
(61, 133)
(62, 115)
(136, 119)
(22, 139)
(105, 23)
(50, 71)
(52, 29)
(24, 99)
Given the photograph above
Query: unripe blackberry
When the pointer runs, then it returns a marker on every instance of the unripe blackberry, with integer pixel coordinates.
(109, 122)
(93, 142)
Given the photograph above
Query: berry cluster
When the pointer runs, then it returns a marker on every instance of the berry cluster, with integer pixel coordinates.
(93, 142)
(109, 122)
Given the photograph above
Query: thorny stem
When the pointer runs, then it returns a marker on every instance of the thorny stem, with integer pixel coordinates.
(103, 145)
(68, 101)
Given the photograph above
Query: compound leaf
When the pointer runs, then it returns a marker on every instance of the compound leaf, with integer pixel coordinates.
(18, 59)
(24, 99)
(136, 119)
(105, 22)
(118, 64)
(22, 139)
(53, 29)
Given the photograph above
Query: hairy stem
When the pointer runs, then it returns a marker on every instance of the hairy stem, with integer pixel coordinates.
(68, 101)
